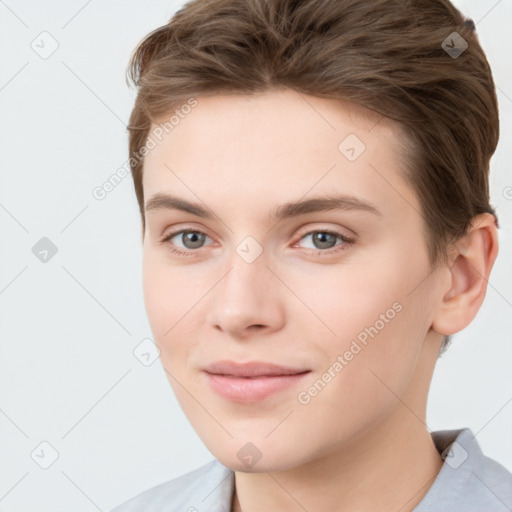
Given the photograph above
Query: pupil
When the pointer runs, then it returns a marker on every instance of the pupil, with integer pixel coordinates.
(193, 240)
(324, 240)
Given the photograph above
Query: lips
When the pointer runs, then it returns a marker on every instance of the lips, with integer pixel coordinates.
(251, 369)
(251, 382)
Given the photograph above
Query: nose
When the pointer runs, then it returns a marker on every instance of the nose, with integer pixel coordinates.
(248, 300)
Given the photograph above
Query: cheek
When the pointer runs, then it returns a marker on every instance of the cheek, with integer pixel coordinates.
(370, 318)
(160, 299)
(366, 367)
(169, 293)
(172, 298)
(346, 299)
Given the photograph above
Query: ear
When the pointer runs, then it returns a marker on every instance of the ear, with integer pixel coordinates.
(471, 260)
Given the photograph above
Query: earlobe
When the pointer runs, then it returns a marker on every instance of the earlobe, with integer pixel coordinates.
(471, 262)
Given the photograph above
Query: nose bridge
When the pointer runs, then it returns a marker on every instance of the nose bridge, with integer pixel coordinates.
(244, 285)
(244, 296)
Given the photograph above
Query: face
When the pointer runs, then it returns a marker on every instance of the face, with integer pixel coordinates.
(282, 327)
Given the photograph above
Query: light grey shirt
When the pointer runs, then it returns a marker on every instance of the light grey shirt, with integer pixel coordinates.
(468, 482)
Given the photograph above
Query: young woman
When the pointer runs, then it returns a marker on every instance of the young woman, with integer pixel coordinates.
(312, 178)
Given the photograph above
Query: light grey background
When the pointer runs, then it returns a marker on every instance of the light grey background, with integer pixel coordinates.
(68, 327)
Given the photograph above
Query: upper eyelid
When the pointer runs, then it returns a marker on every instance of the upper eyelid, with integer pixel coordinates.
(301, 232)
(174, 232)
(321, 226)
(337, 230)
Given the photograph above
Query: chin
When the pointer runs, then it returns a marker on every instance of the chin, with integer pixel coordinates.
(261, 466)
(256, 457)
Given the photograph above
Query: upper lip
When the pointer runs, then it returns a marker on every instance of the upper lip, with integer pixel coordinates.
(251, 369)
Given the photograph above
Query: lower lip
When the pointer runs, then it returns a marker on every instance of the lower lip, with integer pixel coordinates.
(253, 389)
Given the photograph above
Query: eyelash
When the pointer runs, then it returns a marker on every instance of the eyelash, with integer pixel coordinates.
(319, 252)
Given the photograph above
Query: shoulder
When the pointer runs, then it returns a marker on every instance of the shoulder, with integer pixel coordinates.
(469, 481)
(211, 485)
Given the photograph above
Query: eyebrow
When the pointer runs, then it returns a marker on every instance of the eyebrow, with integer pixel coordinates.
(287, 210)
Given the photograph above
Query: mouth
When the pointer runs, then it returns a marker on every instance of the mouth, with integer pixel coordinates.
(251, 382)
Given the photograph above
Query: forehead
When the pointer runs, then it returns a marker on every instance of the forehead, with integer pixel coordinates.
(277, 145)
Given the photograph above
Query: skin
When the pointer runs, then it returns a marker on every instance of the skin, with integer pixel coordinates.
(362, 442)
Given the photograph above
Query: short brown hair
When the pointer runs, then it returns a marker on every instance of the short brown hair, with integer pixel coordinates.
(384, 54)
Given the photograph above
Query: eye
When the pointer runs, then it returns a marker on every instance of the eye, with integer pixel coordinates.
(190, 240)
(322, 241)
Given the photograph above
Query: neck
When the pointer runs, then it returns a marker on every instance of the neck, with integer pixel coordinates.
(381, 471)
